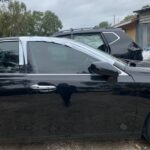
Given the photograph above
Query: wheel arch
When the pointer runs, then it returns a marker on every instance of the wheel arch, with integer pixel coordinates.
(144, 125)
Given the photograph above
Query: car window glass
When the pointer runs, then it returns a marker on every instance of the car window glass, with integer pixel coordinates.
(111, 37)
(53, 58)
(94, 41)
(9, 57)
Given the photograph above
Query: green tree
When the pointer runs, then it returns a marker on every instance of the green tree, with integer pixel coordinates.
(50, 23)
(45, 23)
(129, 17)
(17, 12)
(104, 24)
(16, 20)
(4, 25)
(37, 19)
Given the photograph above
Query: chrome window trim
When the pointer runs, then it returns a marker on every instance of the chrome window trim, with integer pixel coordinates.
(73, 46)
(80, 47)
(21, 61)
(118, 37)
(21, 54)
(12, 74)
(60, 74)
(48, 74)
(24, 51)
(66, 42)
(123, 74)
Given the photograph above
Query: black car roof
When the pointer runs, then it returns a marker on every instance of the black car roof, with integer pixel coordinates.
(86, 30)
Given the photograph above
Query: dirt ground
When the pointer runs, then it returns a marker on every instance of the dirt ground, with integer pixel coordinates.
(80, 145)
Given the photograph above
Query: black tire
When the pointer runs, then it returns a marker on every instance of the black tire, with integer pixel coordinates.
(147, 129)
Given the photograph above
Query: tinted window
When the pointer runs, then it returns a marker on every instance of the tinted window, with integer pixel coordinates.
(111, 37)
(94, 41)
(9, 57)
(53, 58)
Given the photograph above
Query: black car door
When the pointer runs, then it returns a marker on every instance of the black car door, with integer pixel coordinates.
(13, 101)
(67, 101)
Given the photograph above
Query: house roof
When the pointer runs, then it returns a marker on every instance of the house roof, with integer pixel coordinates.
(142, 10)
(127, 22)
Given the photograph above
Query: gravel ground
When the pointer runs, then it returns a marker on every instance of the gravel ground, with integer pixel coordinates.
(80, 145)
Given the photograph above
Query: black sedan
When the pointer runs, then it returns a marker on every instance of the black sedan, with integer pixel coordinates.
(57, 88)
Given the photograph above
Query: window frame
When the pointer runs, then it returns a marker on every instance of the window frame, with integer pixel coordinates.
(20, 55)
(27, 65)
(118, 37)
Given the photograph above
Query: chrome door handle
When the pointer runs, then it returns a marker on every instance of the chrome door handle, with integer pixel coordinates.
(43, 88)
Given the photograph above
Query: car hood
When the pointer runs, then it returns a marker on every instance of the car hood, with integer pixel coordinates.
(139, 74)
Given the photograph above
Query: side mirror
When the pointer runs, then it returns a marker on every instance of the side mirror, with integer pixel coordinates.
(104, 69)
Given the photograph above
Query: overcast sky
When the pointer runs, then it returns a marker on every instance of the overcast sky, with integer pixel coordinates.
(86, 13)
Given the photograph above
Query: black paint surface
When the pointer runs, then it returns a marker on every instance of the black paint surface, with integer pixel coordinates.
(81, 106)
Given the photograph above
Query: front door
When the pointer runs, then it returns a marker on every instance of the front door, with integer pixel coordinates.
(67, 101)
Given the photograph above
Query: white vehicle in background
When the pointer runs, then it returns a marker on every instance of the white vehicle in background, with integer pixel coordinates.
(146, 54)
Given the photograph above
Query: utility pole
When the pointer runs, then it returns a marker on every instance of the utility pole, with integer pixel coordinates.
(114, 19)
(118, 20)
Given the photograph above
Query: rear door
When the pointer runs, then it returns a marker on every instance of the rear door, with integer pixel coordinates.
(13, 94)
(122, 46)
(67, 101)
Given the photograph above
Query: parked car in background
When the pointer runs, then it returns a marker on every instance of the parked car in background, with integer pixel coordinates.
(59, 88)
(112, 41)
